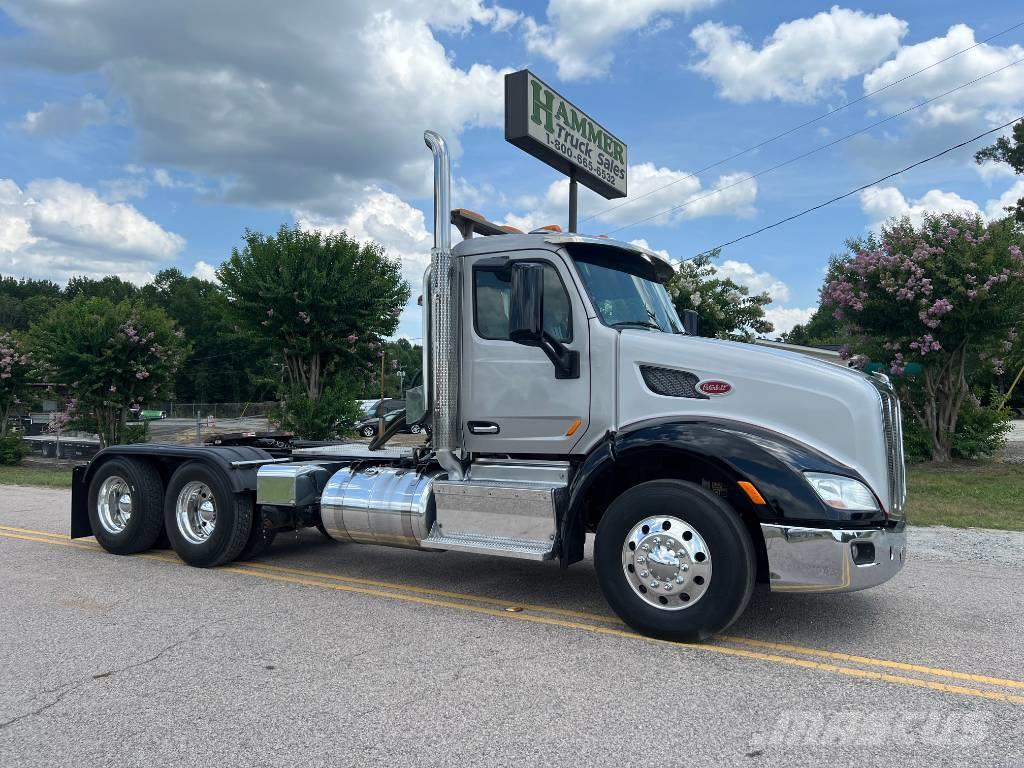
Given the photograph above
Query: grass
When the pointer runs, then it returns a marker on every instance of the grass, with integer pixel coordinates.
(48, 477)
(960, 495)
(966, 495)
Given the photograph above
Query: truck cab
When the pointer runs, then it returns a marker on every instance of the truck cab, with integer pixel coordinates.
(566, 398)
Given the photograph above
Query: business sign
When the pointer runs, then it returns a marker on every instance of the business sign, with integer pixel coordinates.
(539, 121)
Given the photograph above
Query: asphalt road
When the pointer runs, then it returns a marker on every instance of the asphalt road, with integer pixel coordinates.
(332, 654)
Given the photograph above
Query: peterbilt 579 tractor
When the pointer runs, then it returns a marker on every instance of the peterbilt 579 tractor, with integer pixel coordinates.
(565, 397)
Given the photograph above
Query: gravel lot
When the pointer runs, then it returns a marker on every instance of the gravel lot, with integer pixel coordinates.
(329, 654)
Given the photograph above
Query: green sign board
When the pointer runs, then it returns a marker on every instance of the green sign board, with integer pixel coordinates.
(539, 121)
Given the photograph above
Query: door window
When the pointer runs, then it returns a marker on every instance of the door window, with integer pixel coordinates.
(491, 289)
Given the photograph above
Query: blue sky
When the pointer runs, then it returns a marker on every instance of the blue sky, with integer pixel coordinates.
(137, 136)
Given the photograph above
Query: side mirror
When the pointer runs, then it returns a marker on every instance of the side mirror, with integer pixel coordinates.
(526, 320)
(526, 304)
(691, 322)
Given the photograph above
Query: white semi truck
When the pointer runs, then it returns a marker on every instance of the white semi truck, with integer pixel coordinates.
(565, 398)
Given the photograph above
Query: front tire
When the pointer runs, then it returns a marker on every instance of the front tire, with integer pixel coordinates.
(207, 523)
(125, 497)
(674, 561)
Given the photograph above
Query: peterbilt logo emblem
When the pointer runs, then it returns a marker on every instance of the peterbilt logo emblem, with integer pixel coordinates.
(715, 388)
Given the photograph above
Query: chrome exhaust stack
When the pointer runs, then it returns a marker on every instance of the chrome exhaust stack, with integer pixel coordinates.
(444, 329)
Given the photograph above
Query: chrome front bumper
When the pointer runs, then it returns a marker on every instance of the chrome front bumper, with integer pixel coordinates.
(824, 560)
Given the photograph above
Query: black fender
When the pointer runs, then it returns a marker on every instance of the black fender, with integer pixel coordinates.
(167, 458)
(773, 462)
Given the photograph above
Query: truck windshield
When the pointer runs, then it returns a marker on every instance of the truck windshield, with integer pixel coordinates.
(626, 293)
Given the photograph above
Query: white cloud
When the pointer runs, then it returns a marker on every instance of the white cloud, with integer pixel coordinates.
(653, 189)
(996, 209)
(997, 98)
(883, 203)
(56, 229)
(801, 60)
(205, 271)
(758, 282)
(784, 318)
(66, 119)
(580, 34)
(316, 104)
(400, 228)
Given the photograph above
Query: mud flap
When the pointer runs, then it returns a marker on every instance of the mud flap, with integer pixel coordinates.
(80, 526)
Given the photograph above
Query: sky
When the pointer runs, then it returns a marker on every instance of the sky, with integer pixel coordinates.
(140, 135)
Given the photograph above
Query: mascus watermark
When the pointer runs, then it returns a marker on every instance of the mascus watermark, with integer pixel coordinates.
(799, 728)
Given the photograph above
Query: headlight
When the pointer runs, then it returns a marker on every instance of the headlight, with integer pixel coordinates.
(842, 492)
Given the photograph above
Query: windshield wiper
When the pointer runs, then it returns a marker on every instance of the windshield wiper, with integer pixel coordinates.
(636, 324)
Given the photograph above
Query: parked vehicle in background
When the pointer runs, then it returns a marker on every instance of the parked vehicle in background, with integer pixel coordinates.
(565, 397)
(146, 414)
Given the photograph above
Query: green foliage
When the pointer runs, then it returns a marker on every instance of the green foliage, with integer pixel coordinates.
(946, 295)
(110, 356)
(727, 310)
(22, 302)
(1009, 150)
(318, 304)
(224, 365)
(13, 449)
(110, 287)
(822, 328)
(136, 433)
(980, 432)
(15, 370)
(331, 415)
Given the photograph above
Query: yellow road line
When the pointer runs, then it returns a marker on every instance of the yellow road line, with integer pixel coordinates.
(869, 661)
(365, 587)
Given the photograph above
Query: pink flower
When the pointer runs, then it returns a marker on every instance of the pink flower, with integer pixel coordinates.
(1015, 253)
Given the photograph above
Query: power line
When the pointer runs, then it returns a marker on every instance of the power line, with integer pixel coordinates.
(790, 161)
(796, 128)
(862, 188)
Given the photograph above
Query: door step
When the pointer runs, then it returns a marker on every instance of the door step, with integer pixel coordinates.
(490, 545)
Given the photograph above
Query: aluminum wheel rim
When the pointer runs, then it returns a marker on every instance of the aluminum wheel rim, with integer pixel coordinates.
(666, 562)
(196, 512)
(114, 504)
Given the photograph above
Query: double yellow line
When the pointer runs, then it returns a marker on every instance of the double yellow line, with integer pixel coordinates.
(862, 667)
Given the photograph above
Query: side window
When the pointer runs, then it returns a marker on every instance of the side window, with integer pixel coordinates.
(491, 289)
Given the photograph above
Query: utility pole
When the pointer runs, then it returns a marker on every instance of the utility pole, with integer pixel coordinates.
(573, 200)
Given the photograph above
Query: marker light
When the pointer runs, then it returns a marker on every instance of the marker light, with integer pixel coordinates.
(842, 492)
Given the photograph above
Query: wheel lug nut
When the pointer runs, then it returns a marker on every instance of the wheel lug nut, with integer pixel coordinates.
(644, 574)
(654, 585)
(684, 567)
(645, 548)
(680, 579)
(641, 559)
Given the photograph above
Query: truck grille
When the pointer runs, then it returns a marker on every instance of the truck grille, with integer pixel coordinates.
(892, 429)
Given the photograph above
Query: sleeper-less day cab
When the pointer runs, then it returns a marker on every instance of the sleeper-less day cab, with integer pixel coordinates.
(565, 397)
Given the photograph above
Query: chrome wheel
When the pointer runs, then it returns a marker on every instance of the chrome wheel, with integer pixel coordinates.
(415, 429)
(666, 562)
(114, 504)
(367, 431)
(196, 512)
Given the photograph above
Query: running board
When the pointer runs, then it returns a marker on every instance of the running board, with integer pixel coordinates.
(490, 545)
(502, 508)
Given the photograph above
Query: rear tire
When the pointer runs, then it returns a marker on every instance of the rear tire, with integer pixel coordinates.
(674, 561)
(125, 498)
(259, 542)
(207, 523)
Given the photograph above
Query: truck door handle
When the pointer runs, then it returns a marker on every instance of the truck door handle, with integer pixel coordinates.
(483, 428)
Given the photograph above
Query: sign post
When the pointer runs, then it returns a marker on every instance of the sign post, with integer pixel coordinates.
(541, 122)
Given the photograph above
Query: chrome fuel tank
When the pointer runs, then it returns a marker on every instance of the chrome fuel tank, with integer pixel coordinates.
(379, 505)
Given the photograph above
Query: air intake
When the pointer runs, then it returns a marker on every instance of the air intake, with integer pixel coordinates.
(671, 382)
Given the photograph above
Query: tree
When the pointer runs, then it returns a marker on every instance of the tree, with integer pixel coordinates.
(24, 301)
(320, 304)
(111, 357)
(727, 310)
(1009, 150)
(821, 328)
(14, 377)
(110, 287)
(224, 365)
(946, 294)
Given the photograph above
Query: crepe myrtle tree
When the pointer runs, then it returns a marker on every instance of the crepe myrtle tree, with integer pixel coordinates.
(110, 356)
(321, 304)
(15, 371)
(726, 309)
(946, 294)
